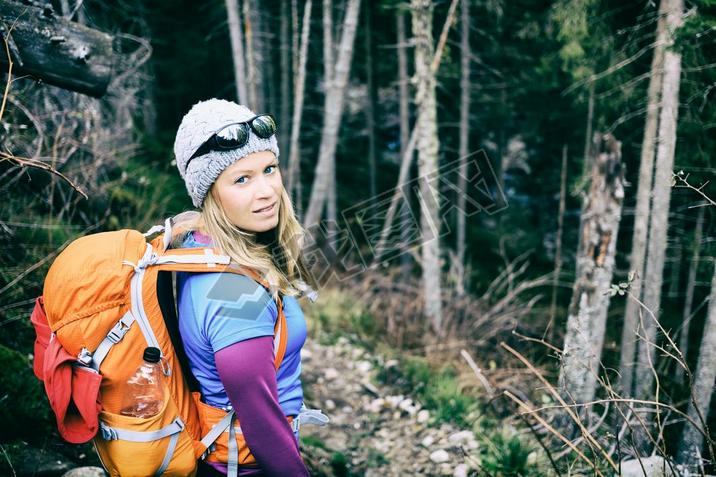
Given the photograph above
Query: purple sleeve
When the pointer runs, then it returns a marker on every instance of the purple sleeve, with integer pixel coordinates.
(247, 371)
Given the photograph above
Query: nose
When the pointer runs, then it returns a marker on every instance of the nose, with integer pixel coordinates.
(264, 188)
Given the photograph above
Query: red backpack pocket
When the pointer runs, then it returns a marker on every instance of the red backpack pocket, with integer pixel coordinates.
(42, 337)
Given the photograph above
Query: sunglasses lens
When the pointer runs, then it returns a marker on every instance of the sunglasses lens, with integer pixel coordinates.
(264, 126)
(232, 136)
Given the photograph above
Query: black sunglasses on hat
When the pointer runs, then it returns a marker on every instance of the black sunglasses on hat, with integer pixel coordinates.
(236, 135)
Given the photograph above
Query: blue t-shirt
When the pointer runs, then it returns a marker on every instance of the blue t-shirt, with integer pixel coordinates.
(217, 310)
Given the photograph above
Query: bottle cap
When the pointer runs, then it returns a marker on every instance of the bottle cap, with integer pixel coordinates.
(152, 354)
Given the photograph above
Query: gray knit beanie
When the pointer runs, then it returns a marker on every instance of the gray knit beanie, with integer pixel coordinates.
(203, 120)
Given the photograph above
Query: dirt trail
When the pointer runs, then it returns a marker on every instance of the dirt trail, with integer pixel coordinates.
(379, 432)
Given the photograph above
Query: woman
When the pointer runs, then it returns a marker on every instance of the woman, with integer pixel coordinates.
(228, 158)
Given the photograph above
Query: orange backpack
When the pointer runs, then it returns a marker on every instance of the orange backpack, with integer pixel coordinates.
(107, 297)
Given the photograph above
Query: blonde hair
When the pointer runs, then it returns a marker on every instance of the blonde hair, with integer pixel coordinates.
(282, 265)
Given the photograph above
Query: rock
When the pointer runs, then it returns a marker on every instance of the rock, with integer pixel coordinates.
(370, 388)
(655, 466)
(407, 406)
(330, 405)
(330, 374)
(29, 461)
(461, 436)
(85, 472)
(460, 471)
(363, 366)
(423, 416)
(394, 401)
(375, 406)
(427, 441)
(439, 456)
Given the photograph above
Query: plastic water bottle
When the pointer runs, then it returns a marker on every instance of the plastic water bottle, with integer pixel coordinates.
(144, 391)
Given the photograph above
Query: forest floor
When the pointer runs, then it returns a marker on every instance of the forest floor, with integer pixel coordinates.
(374, 431)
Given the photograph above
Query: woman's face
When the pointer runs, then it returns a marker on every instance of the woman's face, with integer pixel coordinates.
(250, 190)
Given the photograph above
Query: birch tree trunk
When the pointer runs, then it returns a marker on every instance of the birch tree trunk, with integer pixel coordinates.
(656, 246)
(587, 317)
(689, 300)
(643, 208)
(464, 144)
(237, 50)
(333, 112)
(703, 385)
(294, 161)
(427, 146)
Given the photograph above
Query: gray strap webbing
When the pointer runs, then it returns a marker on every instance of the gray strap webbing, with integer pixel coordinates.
(309, 416)
(208, 258)
(114, 336)
(312, 416)
(166, 228)
(216, 431)
(168, 454)
(232, 469)
(167, 233)
(113, 433)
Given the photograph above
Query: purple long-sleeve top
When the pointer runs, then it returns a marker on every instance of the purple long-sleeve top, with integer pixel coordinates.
(247, 371)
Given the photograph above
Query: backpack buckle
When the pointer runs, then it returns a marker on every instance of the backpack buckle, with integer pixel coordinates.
(108, 434)
(85, 357)
(118, 331)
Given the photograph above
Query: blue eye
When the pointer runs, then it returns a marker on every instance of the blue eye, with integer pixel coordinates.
(269, 167)
(238, 181)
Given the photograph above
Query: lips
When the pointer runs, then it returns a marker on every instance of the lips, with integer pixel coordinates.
(268, 208)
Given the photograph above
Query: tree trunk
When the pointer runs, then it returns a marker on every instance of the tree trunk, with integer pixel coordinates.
(370, 111)
(237, 50)
(328, 66)
(702, 389)
(427, 146)
(284, 109)
(294, 160)
(464, 144)
(656, 246)
(677, 250)
(57, 51)
(558, 244)
(333, 112)
(689, 300)
(642, 210)
(404, 101)
(327, 44)
(253, 55)
(587, 317)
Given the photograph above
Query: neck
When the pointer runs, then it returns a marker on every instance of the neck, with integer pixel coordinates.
(268, 237)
